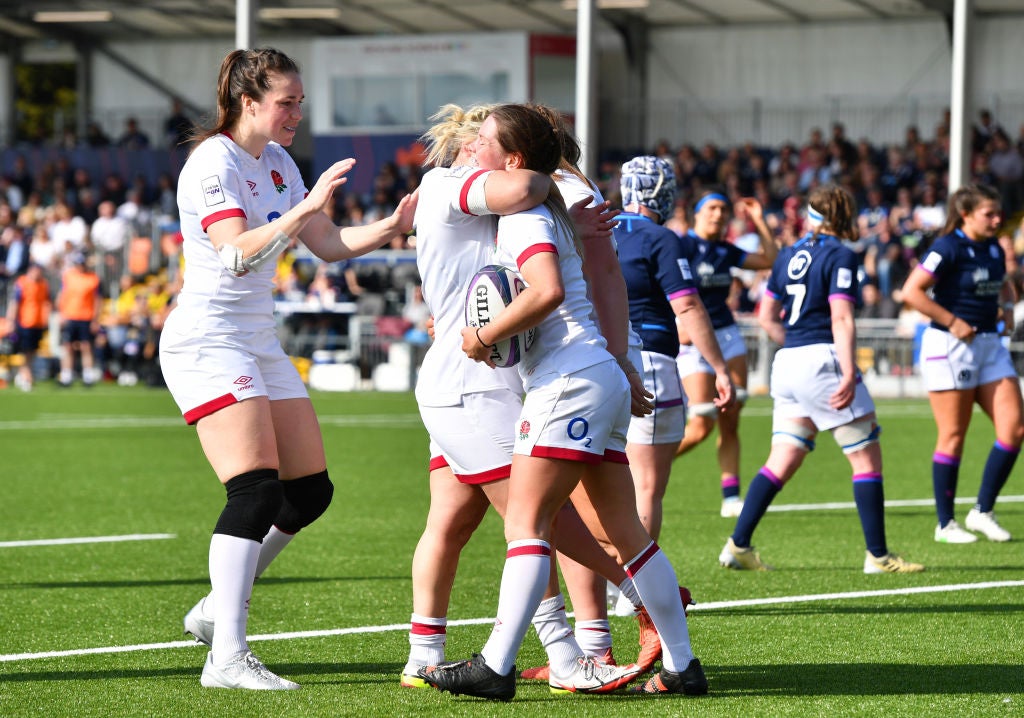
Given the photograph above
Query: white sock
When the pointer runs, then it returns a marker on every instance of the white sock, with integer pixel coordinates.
(523, 581)
(555, 634)
(627, 589)
(232, 568)
(427, 637)
(273, 544)
(594, 637)
(655, 581)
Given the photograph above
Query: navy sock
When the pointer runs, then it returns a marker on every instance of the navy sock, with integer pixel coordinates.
(730, 486)
(997, 471)
(869, 496)
(945, 473)
(760, 493)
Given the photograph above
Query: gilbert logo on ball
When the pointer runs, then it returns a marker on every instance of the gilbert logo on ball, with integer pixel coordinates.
(491, 290)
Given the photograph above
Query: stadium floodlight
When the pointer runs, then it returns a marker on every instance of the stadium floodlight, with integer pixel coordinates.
(74, 16)
(299, 13)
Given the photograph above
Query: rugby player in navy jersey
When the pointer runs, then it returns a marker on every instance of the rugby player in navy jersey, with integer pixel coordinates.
(714, 260)
(815, 385)
(963, 359)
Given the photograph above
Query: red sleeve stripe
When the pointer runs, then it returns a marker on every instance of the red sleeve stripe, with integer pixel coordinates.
(535, 249)
(634, 566)
(194, 415)
(223, 214)
(464, 194)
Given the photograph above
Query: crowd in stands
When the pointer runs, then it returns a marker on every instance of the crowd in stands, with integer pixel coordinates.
(126, 228)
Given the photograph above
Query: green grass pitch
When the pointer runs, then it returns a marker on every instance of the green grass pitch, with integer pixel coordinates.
(116, 461)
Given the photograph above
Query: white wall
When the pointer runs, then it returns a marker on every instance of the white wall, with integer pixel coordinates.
(877, 76)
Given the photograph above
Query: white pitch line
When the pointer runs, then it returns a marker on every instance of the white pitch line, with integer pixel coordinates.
(708, 606)
(888, 504)
(86, 539)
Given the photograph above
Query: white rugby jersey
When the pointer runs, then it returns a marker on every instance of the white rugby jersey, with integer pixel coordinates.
(573, 190)
(454, 238)
(218, 181)
(568, 339)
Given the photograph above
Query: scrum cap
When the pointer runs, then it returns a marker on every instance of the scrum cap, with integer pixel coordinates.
(651, 182)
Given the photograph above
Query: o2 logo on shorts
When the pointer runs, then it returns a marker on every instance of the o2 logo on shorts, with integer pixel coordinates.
(578, 429)
(964, 375)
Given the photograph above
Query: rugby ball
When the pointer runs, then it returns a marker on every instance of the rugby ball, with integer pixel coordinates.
(491, 290)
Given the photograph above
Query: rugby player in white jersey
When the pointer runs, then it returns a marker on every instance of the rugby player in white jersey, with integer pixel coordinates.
(242, 202)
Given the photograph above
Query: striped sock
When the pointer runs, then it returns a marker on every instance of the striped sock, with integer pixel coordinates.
(869, 497)
(523, 582)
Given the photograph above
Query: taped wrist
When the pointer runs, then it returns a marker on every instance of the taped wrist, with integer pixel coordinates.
(238, 264)
(304, 501)
(254, 499)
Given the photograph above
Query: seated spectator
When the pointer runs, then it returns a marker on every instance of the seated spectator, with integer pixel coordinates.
(178, 126)
(133, 138)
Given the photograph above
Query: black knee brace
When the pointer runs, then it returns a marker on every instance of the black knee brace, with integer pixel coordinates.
(254, 499)
(305, 500)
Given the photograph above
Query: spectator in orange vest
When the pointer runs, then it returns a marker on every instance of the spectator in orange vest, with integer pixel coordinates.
(29, 313)
(79, 305)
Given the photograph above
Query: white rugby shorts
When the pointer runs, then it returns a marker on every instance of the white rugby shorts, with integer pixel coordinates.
(948, 363)
(803, 380)
(582, 417)
(667, 424)
(207, 371)
(730, 341)
(474, 438)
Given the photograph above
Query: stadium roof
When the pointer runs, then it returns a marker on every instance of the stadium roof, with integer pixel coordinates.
(98, 21)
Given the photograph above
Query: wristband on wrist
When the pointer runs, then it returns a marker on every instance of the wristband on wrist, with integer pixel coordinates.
(951, 322)
(488, 346)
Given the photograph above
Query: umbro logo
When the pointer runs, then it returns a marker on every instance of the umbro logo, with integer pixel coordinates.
(243, 380)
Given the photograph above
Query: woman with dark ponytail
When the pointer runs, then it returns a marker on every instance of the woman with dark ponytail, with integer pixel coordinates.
(963, 360)
(242, 203)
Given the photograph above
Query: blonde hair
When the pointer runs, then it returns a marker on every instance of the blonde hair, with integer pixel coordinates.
(453, 128)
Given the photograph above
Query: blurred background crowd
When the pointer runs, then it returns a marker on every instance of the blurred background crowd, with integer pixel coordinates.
(63, 221)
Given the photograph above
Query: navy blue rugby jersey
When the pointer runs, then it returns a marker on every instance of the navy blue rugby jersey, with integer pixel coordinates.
(968, 276)
(712, 265)
(656, 266)
(804, 277)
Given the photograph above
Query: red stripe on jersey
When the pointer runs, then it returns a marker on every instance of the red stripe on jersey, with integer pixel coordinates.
(194, 415)
(634, 566)
(437, 462)
(557, 452)
(425, 629)
(528, 550)
(486, 477)
(616, 457)
(464, 194)
(223, 214)
(535, 249)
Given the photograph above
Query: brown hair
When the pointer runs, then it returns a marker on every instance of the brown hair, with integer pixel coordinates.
(964, 201)
(836, 205)
(244, 72)
(570, 146)
(524, 131)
